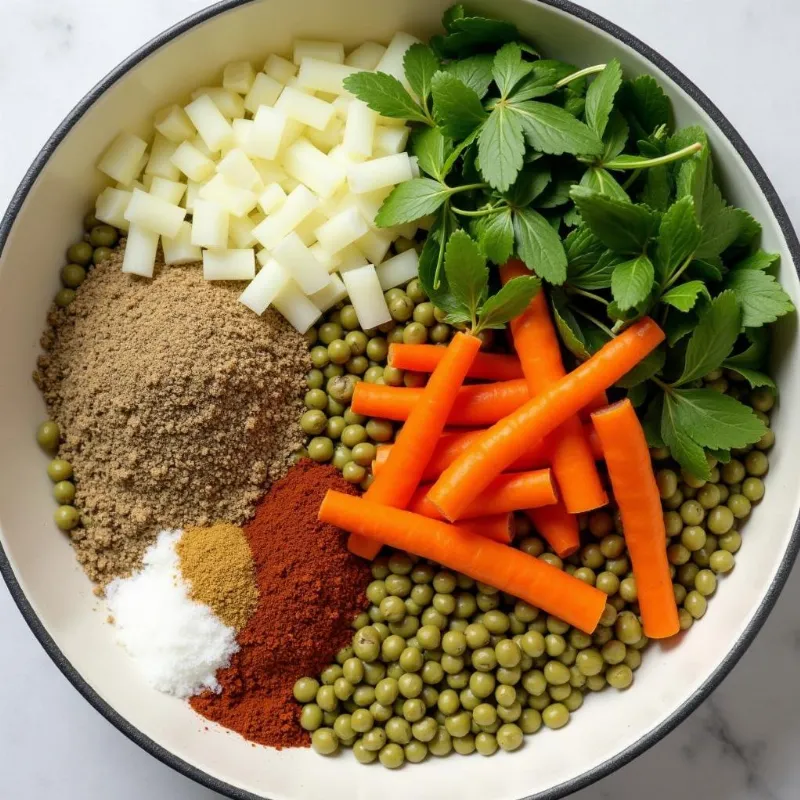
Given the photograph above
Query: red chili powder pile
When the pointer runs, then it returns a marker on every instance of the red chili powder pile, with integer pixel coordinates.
(311, 588)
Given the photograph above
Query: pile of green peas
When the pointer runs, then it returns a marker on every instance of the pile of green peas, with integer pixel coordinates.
(96, 246)
(342, 354)
(66, 516)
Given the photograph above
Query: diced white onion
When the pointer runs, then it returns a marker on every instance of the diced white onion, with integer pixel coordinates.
(122, 159)
(389, 141)
(110, 207)
(296, 307)
(329, 138)
(230, 104)
(269, 171)
(209, 224)
(266, 134)
(239, 170)
(233, 199)
(398, 269)
(330, 261)
(300, 263)
(372, 175)
(366, 295)
(297, 206)
(327, 297)
(375, 244)
(140, 252)
(264, 288)
(392, 60)
(192, 193)
(271, 198)
(343, 229)
(174, 124)
(214, 129)
(366, 56)
(304, 108)
(180, 250)
(324, 51)
(264, 92)
(279, 68)
(306, 230)
(154, 214)
(351, 258)
(238, 76)
(171, 191)
(359, 130)
(229, 265)
(323, 76)
(312, 167)
(240, 232)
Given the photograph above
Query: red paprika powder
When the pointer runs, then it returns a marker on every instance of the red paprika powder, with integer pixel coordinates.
(311, 588)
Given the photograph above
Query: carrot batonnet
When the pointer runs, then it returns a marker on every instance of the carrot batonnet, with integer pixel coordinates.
(497, 527)
(595, 404)
(425, 357)
(453, 443)
(507, 439)
(511, 491)
(636, 493)
(417, 439)
(558, 527)
(539, 353)
(506, 568)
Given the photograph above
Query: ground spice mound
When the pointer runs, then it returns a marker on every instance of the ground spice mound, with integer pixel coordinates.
(311, 588)
(178, 406)
(217, 564)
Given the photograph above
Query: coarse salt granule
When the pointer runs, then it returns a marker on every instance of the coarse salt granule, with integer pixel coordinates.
(177, 643)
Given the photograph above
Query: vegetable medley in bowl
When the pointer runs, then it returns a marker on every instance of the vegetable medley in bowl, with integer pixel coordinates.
(443, 379)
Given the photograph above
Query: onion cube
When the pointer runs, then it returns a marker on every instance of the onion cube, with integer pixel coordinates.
(140, 252)
(323, 76)
(238, 76)
(180, 250)
(122, 158)
(266, 285)
(330, 295)
(343, 229)
(372, 175)
(110, 207)
(264, 92)
(266, 133)
(366, 296)
(398, 269)
(241, 132)
(239, 170)
(279, 68)
(324, 51)
(306, 230)
(171, 191)
(209, 224)
(300, 263)
(392, 60)
(192, 193)
(369, 203)
(359, 130)
(154, 214)
(375, 244)
(407, 231)
(300, 312)
(229, 265)
(233, 199)
(330, 261)
(269, 171)
(341, 105)
(271, 198)
(351, 258)
(230, 104)
(174, 124)
(297, 206)
(304, 108)
(366, 56)
(389, 141)
(312, 167)
(329, 138)
(200, 145)
(214, 129)
(240, 232)
(344, 157)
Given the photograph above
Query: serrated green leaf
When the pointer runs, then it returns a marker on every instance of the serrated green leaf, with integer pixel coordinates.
(420, 65)
(695, 180)
(463, 149)
(411, 200)
(720, 231)
(583, 249)
(623, 227)
(431, 150)
(470, 34)
(430, 257)
(452, 14)
(645, 105)
(713, 338)
(650, 366)
(597, 275)
(651, 421)
(750, 230)
(755, 355)
(512, 299)
(684, 296)
(657, 191)
(542, 80)
(759, 260)
(632, 281)
(678, 326)
(568, 328)
(385, 94)
(706, 269)
(539, 246)
(638, 394)
(603, 182)
(501, 147)
(572, 218)
(508, 68)
(556, 194)
(762, 298)
(456, 108)
(755, 378)
(467, 273)
(615, 137)
(678, 237)
(550, 129)
(684, 449)
(474, 72)
(495, 234)
(532, 180)
(600, 96)
(686, 136)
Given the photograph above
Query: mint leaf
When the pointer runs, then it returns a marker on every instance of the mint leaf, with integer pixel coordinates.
(432, 151)
(508, 68)
(645, 105)
(430, 270)
(720, 231)
(762, 298)
(583, 249)
(600, 96)
(679, 326)
(530, 183)
(385, 94)
(466, 271)
(623, 227)
(648, 367)
(557, 194)
(539, 246)
(755, 355)
(759, 260)
(755, 378)
(452, 14)
(501, 147)
(749, 231)
(651, 421)
(603, 182)
(509, 302)
(568, 328)
(684, 449)
(713, 338)
(597, 275)
(684, 296)
(542, 79)
(550, 129)
(615, 137)
(706, 269)
(678, 237)
(695, 180)
(632, 281)
(716, 420)
(657, 191)
(474, 72)
(495, 234)
(456, 108)
(469, 34)
(411, 200)
(420, 65)
(463, 149)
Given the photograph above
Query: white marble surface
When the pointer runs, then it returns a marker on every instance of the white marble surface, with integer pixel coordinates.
(741, 744)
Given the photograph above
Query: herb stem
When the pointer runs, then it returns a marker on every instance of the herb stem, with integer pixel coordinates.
(632, 178)
(656, 162)
(594, 321)
(589, 295)
(665, 386)
(485, 212)
(581, 73)
(469, 187)
(437, 275)
(678, 272)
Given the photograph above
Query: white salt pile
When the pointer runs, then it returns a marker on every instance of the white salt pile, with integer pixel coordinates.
(179, 644)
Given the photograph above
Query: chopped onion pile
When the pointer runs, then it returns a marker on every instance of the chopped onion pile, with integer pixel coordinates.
(275, 177)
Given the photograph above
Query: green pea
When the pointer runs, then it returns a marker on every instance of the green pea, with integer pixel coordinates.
(458, 724)
(508, 653)
(673, 501)
(64, 297)
(415, 333)
(48, 435)
(319, 356)
(667, 482)
(423, 314)
(393, 376)
(753, 489)
(692, 512)
(103, 236)
(766, 441)
(362, 755)
(320, 449)
(555, 716)
(628, 628)
(59, 470)
(313, 422)
(315, 379)
(439, 333)
(374, 739)
(311, 717)
(756, 463)
(377, 349)
(733, 472)
(678, 554)
(392, 756)
(486, 743)
(348, 318)
(410, 685)
(73, 275)
(721, 561)
(379, 430)
(101, 254)
(373, 375)
(708, 496)
(619, 676)
(326, 698)
(705, 582)
(696, 604)
(80, 253)
(329, 332)
(316, 399)
(720, 520)
(305, 690)
(353, 435)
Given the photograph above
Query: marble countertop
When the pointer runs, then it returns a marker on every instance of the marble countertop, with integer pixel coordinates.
(742, 743)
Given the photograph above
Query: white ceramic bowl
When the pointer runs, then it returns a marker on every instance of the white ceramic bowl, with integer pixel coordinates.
(55, 597)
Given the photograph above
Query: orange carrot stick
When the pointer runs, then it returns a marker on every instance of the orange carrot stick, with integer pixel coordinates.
(511, 491)
(595, 404)
(507, 439)
(417, 439)
(497, 527)
(506, 568)
(558, 527)
(425, 357)
(539, 351)
(636, 492)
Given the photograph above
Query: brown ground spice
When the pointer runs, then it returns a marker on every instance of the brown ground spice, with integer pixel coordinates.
(178, 406)
(217, 564)
(311, 588)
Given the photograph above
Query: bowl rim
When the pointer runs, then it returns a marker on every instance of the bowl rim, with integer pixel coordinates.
(691, 703)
